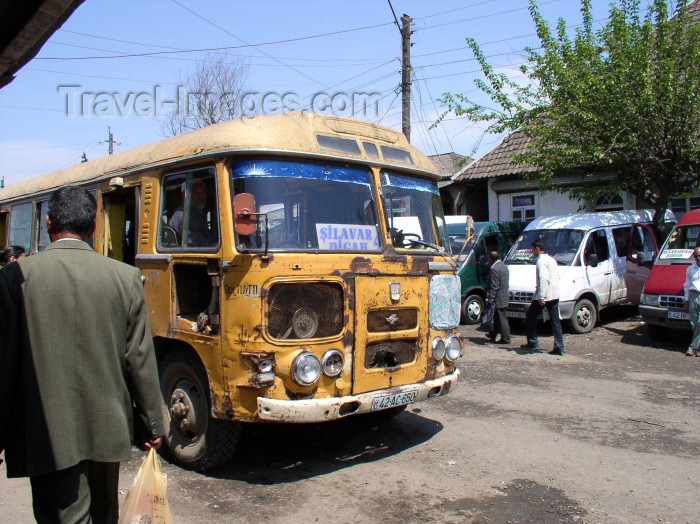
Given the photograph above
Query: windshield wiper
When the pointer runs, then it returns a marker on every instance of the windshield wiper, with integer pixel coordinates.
(427, 244)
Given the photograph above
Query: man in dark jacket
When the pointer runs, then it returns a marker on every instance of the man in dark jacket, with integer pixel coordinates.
(497, 294)
(76, 354)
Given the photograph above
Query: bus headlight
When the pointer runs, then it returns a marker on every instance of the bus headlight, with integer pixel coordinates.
(306, 369)
(453, 346)
(438, 348)
(332, 363)
(649, 299)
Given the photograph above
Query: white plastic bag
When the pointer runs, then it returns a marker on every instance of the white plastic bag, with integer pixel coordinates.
(147, 500)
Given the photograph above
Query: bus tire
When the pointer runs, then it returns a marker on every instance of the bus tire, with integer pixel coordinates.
(472, 309)
(583, 317)
(194, 439)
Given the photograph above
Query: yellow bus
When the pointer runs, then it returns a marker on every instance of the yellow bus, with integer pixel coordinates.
(296, 268)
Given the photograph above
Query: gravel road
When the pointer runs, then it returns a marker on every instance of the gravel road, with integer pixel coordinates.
(607, 433)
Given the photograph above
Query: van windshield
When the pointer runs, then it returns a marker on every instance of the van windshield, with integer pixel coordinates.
(561, 244)
(679, 246)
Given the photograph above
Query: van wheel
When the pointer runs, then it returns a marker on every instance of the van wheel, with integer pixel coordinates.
(194, 439)
(656, 332)
(472, 309)
(583, 317)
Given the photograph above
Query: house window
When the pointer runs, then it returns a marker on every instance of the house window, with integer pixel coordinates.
(610, 202)
(523, 207)
(681, 205)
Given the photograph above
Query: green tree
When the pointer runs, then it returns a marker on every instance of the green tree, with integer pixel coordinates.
(623, 100)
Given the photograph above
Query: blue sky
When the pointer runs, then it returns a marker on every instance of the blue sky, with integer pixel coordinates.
(42, 130)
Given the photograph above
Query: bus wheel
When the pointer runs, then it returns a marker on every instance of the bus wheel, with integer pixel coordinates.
(472, 308)
(583, 317)
(194, 439)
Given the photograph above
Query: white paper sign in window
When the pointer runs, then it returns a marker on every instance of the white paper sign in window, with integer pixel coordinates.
(347, 237)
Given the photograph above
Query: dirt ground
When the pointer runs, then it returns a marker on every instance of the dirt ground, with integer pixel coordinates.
(607, 433)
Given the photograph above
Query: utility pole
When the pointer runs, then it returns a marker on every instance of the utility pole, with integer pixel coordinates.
(406, 76)
(110, 141)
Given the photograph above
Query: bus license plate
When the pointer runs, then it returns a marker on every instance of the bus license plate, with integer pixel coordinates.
(515, 314)
(680, 315)
(397, 399)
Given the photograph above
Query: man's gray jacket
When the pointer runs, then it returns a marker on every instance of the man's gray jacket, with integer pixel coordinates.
(75, 351)
(497, 284)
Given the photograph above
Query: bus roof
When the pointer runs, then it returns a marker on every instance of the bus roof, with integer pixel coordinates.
(587, 221)
(292, 133)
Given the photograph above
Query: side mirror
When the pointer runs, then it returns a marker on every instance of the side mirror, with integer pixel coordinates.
(593, 260)
(641, 259)
(244, 214)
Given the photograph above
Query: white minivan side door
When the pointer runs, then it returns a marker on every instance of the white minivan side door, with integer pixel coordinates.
(642, 240)
(599, 265)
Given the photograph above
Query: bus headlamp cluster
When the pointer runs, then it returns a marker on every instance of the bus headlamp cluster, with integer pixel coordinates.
(307, 368)
(449, 347)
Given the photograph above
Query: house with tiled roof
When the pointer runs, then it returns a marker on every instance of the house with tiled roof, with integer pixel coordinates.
(448, 165)
(494, 178)
(508, 196)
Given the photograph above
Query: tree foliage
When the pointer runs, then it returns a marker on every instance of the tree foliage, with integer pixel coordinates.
(209, 95)
(622, 101)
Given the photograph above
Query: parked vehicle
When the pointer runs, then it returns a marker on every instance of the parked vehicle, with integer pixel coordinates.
(598, 256)
(661, 304)
(294, 297)
(473, 271)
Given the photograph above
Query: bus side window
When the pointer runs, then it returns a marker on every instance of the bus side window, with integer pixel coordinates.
(21, 225)
(173, 199)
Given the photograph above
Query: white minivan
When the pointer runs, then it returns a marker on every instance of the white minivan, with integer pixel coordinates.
(598, 262)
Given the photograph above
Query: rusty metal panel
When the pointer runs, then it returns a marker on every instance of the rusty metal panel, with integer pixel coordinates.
(389, 358)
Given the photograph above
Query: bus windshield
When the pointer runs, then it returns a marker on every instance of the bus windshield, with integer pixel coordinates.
(561, 244)
(679, 246)
(308, 205)
(414, 212)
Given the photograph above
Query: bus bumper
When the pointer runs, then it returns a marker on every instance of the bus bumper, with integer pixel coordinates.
(324, 409)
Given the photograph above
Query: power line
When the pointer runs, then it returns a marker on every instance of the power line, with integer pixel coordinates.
(485, 16)
(241, 40)
(224, 48)
(270, 57)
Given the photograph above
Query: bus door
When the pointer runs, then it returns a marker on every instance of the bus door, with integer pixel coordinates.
(182, 278)
(642, 242)
(120, 224)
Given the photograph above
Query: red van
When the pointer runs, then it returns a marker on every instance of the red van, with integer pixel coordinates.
(661, 304)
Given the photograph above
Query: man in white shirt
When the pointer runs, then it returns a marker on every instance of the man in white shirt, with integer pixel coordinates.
(546, 296)
(691, 290)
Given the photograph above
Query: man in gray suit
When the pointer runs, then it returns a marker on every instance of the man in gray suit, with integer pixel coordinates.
(497, 294)
(76, 356)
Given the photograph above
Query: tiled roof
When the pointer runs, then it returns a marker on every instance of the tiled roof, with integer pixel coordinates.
(449, 163)
(694, 11)
(498, 161)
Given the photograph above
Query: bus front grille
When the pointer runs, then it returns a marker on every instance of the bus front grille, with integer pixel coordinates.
(305, 310)
(390, 354)
(394, 319)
